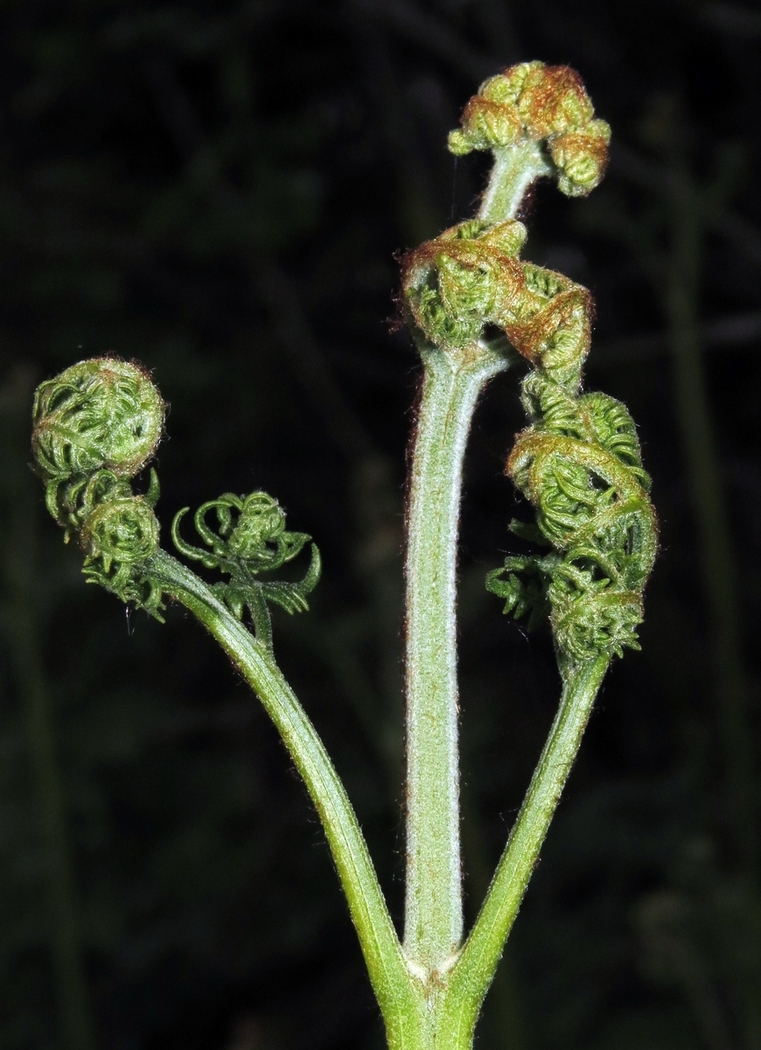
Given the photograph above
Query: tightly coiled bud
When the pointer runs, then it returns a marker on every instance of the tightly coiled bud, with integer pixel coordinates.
(464, 279)
(102, 413)
(548, 104)
(95, 426)
(119, 537)
(72, 501)
(122, 532)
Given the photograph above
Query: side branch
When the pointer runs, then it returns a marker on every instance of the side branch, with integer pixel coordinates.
(475, 968)
(378, 939)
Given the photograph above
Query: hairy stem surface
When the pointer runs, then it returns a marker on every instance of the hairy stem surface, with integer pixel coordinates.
(433, 919)
(478, 960)
(453, 382)
(380, 945)
(515, 169)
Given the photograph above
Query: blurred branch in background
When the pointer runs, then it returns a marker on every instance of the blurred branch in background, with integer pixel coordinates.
(22, 579)
(739, 330)
(681, 294)
(689, 211)
(718, 975)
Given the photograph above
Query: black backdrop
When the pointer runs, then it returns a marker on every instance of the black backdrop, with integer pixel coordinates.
(219, 190)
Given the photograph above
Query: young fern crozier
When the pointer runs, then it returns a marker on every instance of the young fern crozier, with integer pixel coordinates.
(474, 309)
(579, 465)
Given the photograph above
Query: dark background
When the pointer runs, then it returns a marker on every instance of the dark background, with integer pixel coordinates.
(219, 189)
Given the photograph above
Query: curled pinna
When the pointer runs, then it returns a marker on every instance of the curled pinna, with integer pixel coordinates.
(579, 464)
(533, 103)
(248, 538)
(119, 537)
(463, 280)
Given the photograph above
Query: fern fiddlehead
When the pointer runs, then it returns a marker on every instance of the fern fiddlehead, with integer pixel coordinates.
(467, 295)
(579, 462)
(579, 465)
(96, 426)
(250, 538)
(537, 121)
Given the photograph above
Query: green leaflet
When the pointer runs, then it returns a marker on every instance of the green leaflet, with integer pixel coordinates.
(250, 538)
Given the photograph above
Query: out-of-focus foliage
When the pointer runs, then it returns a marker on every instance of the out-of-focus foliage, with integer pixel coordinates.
(217, 189)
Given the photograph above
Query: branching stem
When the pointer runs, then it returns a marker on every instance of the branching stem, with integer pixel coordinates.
(481, 953)
(578, 464)
(380, 944)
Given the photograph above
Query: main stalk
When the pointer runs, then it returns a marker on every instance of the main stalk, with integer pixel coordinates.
(433, 918)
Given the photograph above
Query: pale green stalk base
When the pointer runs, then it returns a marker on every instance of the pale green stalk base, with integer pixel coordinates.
(453, 382)
(436, 1011)
(433, 918)
(454, 999)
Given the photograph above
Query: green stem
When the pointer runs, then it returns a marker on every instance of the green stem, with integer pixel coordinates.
(452, 384)
(433, 918)
(515, 169)
(388, 971)
(478, 960)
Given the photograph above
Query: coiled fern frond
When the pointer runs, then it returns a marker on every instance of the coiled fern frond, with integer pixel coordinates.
(250, 538)
(96, 425)
(579, 464)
